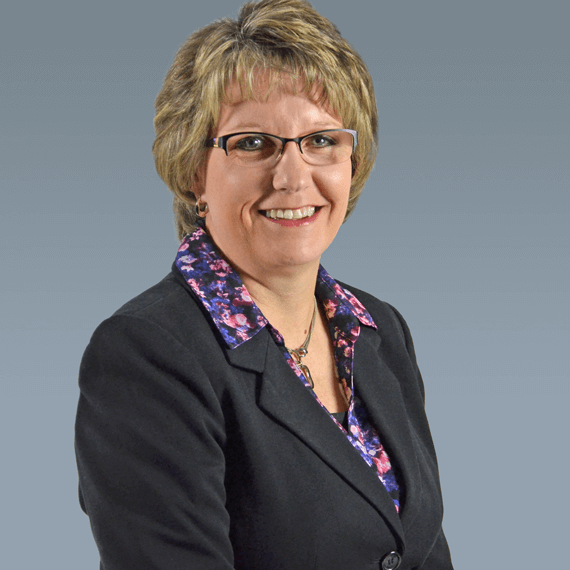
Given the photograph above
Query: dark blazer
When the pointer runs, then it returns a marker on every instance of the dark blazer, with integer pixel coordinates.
(194, 456)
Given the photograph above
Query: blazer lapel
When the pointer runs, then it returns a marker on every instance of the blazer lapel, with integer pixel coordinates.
(380, 390)
(289, 403)
(251, 355)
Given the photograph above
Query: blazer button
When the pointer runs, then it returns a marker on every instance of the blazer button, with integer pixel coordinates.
(391, 561)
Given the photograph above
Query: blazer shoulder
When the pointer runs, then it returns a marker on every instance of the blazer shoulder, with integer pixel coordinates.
(164, 328)
(388, 319)
(168, 307)
(393, 330)
(169, 292)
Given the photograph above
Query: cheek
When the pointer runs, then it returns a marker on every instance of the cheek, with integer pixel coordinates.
(336, 186)
(233, 193)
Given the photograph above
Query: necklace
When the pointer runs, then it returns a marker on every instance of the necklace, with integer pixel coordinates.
(299, 353)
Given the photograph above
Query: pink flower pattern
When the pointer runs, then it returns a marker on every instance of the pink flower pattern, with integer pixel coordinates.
(238, 319)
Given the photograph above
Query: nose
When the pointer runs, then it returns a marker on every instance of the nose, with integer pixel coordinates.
(291, 173)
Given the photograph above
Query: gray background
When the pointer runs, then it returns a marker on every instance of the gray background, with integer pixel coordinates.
(463, 227)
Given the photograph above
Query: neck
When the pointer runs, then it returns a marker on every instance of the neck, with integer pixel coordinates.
(286, 300)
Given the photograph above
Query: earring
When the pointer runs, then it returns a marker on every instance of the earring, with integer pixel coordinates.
(201, 208)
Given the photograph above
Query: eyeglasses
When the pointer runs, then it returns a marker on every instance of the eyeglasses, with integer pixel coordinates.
(322, 148)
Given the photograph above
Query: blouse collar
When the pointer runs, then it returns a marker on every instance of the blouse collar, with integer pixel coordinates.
(235, 314)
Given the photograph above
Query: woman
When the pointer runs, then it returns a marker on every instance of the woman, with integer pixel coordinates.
(248, 411)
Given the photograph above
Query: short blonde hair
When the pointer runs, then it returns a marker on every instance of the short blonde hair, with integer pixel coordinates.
(281, 37)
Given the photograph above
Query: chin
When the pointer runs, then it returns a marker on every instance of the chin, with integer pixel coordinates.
(297, 257)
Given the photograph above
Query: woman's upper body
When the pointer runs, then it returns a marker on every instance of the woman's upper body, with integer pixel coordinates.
(204, 431)
(200, 447)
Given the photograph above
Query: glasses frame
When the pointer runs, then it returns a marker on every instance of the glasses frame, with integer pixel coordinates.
(222, 142)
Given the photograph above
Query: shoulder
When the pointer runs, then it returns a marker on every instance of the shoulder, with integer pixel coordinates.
(165, 316)
(168, 303)
(396, 344)
(159, 337)
(386, 317)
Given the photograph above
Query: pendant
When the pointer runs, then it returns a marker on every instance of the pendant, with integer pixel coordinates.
(305, 370)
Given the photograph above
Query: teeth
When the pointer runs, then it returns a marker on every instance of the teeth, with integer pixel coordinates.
(298, 214)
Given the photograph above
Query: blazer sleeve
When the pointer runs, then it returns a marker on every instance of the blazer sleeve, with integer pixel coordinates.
(149, 444)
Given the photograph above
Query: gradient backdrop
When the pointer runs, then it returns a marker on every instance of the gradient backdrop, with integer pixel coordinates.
(464, 227)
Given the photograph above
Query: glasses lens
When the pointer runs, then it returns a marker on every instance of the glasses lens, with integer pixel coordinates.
(252, 149)
(327, 147)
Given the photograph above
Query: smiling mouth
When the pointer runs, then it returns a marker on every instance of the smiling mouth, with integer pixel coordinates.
(297, 214)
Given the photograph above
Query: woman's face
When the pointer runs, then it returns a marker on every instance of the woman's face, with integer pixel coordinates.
(239, 197)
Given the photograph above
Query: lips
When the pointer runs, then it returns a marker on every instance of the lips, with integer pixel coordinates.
(287, 214)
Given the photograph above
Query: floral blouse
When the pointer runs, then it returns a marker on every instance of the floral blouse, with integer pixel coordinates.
(238, 319)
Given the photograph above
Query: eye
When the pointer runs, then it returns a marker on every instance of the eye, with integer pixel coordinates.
(250, 143)
(320, 140)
